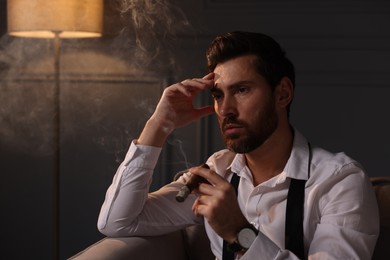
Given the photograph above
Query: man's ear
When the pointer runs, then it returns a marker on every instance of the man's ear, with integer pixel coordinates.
(284, 92)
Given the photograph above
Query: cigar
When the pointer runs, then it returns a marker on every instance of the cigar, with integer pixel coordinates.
(190, 185)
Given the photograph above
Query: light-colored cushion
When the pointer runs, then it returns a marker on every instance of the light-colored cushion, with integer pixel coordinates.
(167, 247)
(191, 243)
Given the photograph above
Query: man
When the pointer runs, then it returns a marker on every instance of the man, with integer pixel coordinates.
(252, 84)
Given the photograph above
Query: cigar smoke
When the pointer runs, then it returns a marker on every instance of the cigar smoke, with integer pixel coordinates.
(153, 26)
(97, 88)
(191, 184)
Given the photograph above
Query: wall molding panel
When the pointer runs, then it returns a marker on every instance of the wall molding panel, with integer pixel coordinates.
(302, 7)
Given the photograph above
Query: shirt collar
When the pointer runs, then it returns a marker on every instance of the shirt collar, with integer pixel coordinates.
(297, 166)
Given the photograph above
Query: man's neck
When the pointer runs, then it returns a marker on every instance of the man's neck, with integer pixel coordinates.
(270, 158)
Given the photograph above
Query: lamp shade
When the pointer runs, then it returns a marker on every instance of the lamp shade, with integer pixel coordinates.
(43, 18)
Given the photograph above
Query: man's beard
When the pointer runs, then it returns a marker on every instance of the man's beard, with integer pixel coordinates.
(255, 135)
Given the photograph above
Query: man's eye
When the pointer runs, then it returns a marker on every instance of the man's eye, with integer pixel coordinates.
(216, 96)
(242, 89)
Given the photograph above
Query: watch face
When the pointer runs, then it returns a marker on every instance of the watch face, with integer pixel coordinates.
(246, 237)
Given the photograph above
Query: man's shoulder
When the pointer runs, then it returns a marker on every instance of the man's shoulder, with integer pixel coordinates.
(326, 165)
(323, 157)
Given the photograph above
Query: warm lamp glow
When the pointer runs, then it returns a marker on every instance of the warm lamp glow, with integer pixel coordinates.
(45, 18)
(55, 19)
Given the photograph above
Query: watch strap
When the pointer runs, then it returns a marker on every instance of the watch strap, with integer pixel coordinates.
(234, 247)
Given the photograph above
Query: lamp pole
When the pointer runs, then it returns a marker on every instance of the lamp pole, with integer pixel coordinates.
(56, 143)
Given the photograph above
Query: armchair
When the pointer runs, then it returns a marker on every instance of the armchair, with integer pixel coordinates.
(192, 243)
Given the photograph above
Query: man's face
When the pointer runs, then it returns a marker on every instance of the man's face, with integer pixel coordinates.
(244, 104)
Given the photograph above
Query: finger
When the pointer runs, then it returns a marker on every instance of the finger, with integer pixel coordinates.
(209, 76)
(194, 205)
(191, 87)
(198, 83)
(176, 88)
(200, 205)
(199, 210)
(204, 111)
(201, 200)
(209, 175)
(195, 208)
(185, 88)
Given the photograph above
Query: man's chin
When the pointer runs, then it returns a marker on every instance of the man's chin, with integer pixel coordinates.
(233, 145)
(230, 141)
(240, 145)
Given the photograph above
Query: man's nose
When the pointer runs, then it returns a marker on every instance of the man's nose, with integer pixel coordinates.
(227, 107)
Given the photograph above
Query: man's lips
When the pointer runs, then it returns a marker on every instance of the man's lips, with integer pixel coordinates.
(231, 129)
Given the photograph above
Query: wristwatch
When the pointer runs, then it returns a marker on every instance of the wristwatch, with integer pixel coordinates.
(244, 240)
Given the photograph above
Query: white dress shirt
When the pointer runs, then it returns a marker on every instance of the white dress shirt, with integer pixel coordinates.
(340, 210)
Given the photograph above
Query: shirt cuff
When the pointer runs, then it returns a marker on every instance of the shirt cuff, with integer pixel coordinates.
(268, 249)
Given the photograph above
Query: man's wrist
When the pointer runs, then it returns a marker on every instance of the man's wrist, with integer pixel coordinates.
(244, 239)
(154, 133)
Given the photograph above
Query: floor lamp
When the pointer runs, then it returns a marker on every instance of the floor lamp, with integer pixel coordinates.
(55, 19)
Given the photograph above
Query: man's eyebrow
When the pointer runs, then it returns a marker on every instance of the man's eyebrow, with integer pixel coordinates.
(232, 86)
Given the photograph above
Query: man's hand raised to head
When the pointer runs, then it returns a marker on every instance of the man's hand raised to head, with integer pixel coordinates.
(175, 109)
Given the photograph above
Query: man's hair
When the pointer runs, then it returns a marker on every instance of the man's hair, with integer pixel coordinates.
(272, 62)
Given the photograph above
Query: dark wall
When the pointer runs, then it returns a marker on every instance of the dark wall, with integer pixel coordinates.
(110, 87)
(339, 49)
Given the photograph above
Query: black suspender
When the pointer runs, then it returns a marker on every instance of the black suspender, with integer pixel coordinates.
(294, 216)
(235, 181)
(227, 254)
